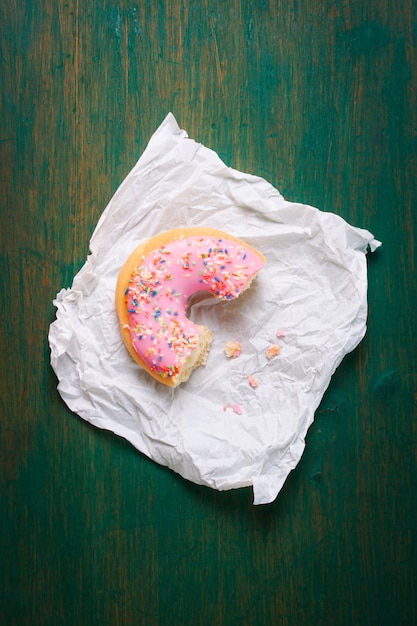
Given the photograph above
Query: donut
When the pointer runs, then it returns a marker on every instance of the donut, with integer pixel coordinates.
(154, 288)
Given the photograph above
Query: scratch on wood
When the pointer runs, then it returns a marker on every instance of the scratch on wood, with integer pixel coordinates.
(218, 64)
(74, 182)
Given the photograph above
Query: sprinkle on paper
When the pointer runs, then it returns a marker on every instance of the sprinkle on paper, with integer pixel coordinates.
(252, 382)
(232, 349)
(273, 351)
(280, 333)
(237, 409)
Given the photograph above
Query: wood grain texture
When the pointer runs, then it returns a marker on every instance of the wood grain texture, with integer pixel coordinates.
(320, 99)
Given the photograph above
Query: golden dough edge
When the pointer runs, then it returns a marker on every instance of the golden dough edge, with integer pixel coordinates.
(135, 259)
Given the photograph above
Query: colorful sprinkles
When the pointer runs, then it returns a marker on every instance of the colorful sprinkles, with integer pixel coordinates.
(252, 381)
(237, 408)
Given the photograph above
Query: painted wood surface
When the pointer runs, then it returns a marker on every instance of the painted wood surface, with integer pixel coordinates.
(319, 98)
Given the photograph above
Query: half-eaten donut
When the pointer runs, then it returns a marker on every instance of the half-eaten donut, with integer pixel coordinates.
(155, 284)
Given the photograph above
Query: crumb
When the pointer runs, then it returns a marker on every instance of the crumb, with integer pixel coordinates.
(273, 351)
(237, 409)
(252, 381)
(232, 349)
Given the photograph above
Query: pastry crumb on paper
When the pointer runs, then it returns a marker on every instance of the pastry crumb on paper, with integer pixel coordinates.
(273, 351)
(233, 349)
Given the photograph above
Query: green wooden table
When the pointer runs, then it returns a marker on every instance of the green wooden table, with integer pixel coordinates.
(320, 99)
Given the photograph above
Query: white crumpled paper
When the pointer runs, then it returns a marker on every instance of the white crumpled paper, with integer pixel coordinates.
(313, 289)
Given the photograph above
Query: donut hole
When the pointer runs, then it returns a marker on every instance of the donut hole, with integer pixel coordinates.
(197, 298)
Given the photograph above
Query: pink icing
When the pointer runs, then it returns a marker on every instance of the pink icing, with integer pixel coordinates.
(159, 289)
